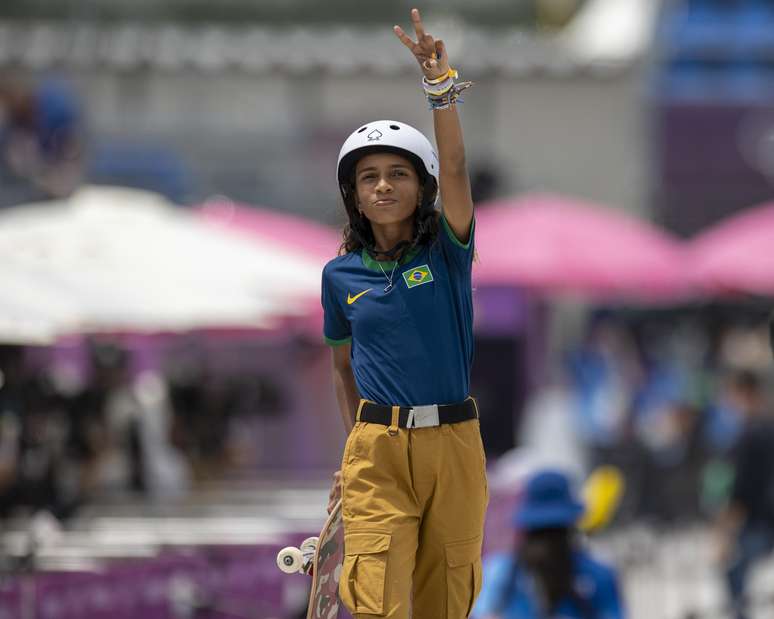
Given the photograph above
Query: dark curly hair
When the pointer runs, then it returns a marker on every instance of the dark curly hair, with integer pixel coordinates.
(358, 233)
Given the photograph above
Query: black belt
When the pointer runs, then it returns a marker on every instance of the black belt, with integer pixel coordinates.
(419, 416)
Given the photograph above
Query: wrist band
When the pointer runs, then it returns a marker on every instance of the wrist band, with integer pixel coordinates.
(443, 92)
(451, 97)
(438, 89)
(451, 73)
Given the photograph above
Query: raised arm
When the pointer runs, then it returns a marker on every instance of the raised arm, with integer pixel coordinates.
(456, 199)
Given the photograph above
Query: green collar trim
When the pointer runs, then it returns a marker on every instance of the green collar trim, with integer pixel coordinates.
(387, 265)
(332, 342)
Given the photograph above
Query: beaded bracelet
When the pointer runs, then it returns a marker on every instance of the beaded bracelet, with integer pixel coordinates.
(449, 98)
(442, 92)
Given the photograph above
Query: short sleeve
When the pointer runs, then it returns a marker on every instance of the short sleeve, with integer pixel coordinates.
(336, 327)
(457, 252)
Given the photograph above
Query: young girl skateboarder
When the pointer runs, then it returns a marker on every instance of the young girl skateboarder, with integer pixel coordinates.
(398, 315)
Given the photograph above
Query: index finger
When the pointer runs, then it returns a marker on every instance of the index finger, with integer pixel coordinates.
(417, 21)
(404, 38)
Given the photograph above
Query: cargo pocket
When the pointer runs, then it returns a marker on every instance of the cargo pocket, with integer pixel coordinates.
(463, 577)
(483, 460)
(350, 447)
(362, 583)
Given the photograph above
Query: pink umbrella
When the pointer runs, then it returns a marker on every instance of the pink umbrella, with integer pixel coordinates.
(304, 235)
(558, 244)
(735, 255)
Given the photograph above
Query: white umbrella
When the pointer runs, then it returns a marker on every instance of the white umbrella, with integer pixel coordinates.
(122, 259)
(30, 313)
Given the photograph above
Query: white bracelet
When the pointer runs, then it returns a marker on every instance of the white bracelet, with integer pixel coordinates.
(438, 89)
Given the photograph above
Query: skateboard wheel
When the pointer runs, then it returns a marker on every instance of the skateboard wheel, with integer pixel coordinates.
(309, 544)
(290, 560)
(308, 549)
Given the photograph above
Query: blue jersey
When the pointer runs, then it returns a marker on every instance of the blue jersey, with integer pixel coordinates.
(413, 344)
(595, 585)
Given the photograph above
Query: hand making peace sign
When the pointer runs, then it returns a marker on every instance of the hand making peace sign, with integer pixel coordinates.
(429, 52)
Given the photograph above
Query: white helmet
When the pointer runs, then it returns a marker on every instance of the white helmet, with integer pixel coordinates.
(387, 136)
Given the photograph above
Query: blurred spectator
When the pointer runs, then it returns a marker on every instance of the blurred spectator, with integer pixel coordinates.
(213, 414)
(668, 433)
(549, 425)
(745, 527)
(549, 574)
(33, 427)
(11, 412)
(202, 407)
(671, 488)
(61, 448)
(41, 149)
(122, 427)
(745, 347)
(104, 434)
(606, 372)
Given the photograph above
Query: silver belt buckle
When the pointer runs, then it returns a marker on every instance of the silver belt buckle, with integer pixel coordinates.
(423, 416)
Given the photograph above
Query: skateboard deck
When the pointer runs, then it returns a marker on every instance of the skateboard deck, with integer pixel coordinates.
(321, 557)
(326, 568)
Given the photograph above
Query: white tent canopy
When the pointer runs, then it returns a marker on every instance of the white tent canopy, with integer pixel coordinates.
(113, 259)
(611, 32)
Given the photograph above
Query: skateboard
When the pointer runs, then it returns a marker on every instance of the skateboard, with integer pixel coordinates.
(321, 557)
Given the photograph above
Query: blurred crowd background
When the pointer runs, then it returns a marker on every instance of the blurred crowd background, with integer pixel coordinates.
(218, 124)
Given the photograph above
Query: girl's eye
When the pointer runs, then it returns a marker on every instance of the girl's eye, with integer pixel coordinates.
(399, 173)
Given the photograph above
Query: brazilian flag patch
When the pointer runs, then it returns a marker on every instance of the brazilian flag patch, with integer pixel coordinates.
(418, 276)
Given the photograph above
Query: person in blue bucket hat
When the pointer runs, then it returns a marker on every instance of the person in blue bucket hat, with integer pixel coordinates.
(549, 575)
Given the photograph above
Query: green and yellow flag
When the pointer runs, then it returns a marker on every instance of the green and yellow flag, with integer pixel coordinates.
(418, 276)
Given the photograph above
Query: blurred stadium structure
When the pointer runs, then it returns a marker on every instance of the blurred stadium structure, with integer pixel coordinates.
(167, 395)
(219, 97)
(712, 120)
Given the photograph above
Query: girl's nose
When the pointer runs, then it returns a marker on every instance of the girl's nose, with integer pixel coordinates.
(383, 186)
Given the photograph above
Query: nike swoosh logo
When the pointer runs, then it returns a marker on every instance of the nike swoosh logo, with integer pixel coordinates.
(351, 299)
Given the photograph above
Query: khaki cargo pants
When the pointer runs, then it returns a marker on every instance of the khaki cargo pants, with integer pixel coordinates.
(413, 506)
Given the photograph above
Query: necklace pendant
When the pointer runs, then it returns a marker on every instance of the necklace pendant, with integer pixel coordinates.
(388, 287)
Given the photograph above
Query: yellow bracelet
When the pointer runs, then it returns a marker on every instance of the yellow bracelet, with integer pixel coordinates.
(450, 73)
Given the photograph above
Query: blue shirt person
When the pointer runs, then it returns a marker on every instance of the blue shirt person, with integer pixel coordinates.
(549, 576)
(41, 142)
